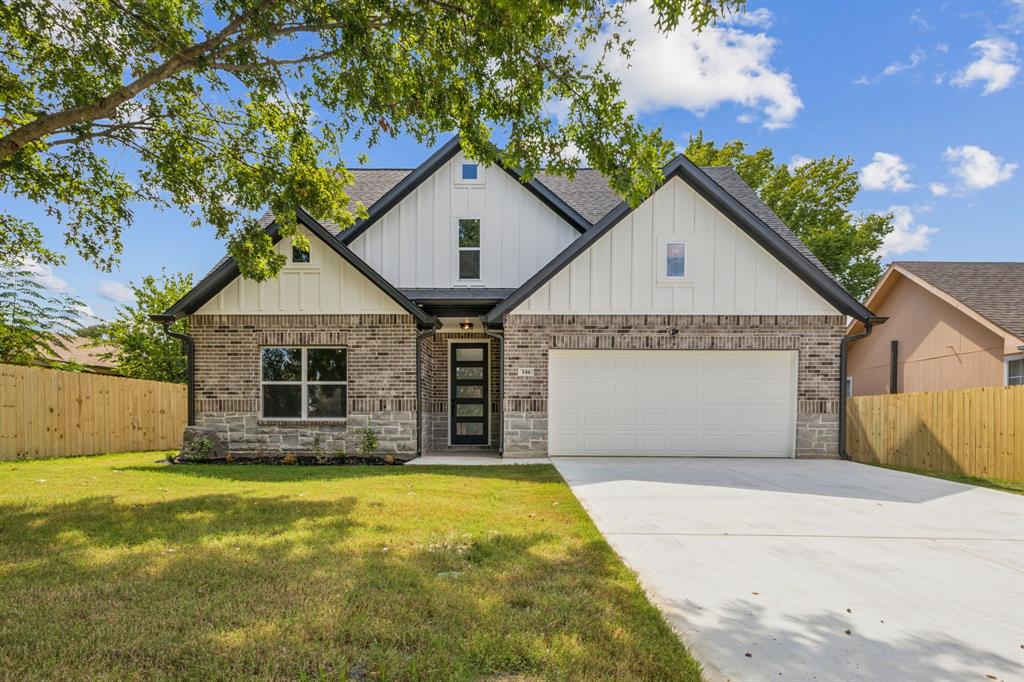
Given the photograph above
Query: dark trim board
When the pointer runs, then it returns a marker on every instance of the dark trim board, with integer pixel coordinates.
(227, 271)
(442, 156)
(711, 191)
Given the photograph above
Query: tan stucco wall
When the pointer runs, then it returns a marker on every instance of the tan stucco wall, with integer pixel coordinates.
(940, 347)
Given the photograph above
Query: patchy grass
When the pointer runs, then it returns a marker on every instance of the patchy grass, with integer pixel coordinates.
(1015, 487)
(120, 567)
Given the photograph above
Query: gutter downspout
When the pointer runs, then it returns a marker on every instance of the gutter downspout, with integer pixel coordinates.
(500, 338)
(420, 336)
(166, 321)
(869, 325)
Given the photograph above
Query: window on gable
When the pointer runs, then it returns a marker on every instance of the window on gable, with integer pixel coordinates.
(299, 256)
(304, 383)
(470, 171)
(469, 248)
(675, 260)
(1015, 372)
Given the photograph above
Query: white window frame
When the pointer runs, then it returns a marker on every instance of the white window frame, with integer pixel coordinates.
(305, 384)
(478, 248)
(661, 262)
(459, 180)
(1006, 367)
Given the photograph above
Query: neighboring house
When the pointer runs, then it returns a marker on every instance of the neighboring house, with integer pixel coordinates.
(471, 310)
(952, 325)
(79, 351)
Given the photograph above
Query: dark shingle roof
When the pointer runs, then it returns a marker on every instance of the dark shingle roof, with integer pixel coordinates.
(993, 290)
(458, 294)
(588, 193)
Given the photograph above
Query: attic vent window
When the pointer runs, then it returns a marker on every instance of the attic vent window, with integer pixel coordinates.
(470, 171)
(299, 256)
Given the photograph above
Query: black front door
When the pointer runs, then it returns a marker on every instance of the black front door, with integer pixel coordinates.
(468, 391)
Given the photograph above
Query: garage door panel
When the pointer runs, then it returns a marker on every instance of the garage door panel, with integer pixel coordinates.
(707, 403)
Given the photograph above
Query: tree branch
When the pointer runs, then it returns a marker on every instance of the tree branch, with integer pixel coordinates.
(50, 123)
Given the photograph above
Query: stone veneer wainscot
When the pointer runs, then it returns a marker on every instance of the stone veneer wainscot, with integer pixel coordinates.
(815, 338)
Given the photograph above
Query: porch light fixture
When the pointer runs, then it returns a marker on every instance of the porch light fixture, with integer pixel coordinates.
(465, 325)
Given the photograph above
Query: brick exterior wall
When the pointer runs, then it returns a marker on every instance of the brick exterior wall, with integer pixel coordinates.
(435, 360)
(815, 338)
(381, 380)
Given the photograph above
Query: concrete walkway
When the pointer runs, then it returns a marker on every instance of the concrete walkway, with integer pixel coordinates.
(819, 569)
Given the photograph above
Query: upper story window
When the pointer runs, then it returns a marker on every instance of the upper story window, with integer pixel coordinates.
(469, 249)
(299, 256)
(675, 260)
(470, 171)
(304, 383)
(1015, 371)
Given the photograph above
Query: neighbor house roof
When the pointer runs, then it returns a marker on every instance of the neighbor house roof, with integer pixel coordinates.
(995, 291)
(81, 351)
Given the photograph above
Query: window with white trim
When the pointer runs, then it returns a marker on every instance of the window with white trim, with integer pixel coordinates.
(675, 260)
(1015, 372)
(469, 249)
(470, 171)
(304, 383)
(299, 256)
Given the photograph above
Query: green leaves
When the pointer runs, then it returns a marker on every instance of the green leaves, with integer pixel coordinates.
(814, 201)
(225, 108)
(143, 350)
(33, 323)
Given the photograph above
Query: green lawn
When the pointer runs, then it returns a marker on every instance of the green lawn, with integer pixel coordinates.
(1015, 487)
(121, 567)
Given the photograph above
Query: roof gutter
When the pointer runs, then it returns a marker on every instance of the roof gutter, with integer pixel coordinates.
(166, 321)
(869, 324)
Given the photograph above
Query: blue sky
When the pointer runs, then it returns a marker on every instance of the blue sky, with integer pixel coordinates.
(928, 98)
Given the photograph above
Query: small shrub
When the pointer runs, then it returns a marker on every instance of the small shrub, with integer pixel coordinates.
(197, 449)
(367, 441)
(229, 458)
(289, 459)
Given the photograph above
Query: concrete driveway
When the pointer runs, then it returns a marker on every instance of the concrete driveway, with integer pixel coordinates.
(818, 569)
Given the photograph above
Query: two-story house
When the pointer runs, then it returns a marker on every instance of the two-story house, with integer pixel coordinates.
(471, 310)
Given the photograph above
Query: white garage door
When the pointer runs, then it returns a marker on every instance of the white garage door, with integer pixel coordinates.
(671, 403)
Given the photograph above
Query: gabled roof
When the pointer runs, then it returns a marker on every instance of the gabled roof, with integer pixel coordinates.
(993, 292)
(446, 153)
(787, 250)
(227, 270)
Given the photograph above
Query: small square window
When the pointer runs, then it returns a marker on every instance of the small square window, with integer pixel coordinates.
(675, 260)
(299, 256)
(470, 171)
(1015, 372)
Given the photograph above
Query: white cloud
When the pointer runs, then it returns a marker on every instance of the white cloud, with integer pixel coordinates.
(938, 189)
(761, 17)
(745, 118)
(942, 48)
(700, 71)
(977, 167)
(115, 291)
(905, 236)
(916, 18)
(996, 66)
(46, 277)
(886, 171)
(913, 61)
(799, 160)
(1016, 19)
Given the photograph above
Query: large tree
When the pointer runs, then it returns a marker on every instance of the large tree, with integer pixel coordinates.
(141, 349)
(814, 200)
(223, 108)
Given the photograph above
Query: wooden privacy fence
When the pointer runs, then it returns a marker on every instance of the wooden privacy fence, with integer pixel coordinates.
(975, 431)
(52, 413)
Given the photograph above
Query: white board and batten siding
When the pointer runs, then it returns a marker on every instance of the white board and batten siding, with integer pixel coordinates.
(326, 285)
(726, 271)
(415, 244)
